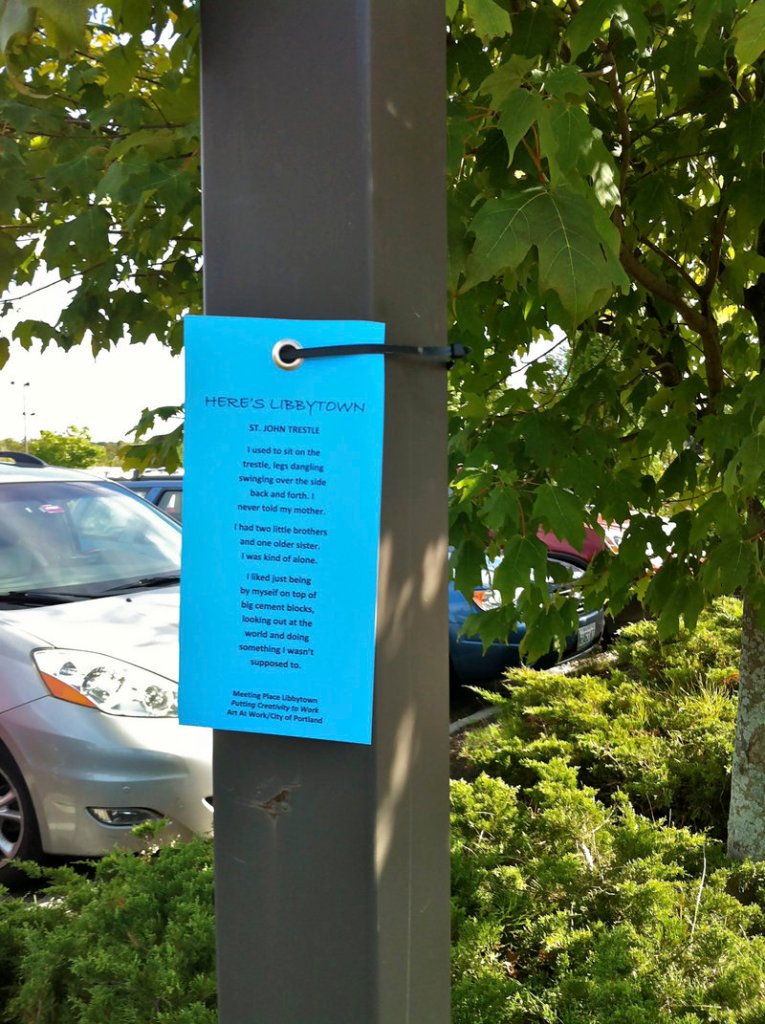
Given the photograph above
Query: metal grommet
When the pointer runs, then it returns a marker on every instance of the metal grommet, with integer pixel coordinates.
(281, 362)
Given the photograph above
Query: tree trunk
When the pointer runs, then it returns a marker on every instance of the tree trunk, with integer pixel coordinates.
(746, 823)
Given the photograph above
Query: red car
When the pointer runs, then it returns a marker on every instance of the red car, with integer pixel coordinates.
(593, 544)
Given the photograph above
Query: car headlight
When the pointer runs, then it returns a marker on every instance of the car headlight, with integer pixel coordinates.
(487, 599)
(114, 687)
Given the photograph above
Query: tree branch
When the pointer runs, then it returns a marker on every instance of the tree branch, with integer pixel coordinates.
(703, 324)
(645, 277)
(672, 262)
(718, 237)
(622, 118)
(754, 299)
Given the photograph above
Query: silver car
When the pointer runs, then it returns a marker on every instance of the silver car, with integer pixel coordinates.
(90, 744)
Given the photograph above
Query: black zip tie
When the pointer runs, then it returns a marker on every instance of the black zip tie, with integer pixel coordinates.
(289, 354)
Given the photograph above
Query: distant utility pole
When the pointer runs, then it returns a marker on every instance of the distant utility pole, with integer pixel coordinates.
(324, 198)
(23, 387)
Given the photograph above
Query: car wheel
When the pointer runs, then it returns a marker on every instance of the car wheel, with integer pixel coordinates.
(19, 833)
(454, 680)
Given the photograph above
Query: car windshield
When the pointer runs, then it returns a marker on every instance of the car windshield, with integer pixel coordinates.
(63, 540)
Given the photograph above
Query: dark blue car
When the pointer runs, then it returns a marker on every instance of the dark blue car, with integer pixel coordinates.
(469, 663)
(166, 492)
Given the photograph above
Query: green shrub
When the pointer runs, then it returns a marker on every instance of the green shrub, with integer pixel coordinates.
(13, 917)
(709, 654)
(568, 910)
(658, 725)
(134, 944)
(590, 882)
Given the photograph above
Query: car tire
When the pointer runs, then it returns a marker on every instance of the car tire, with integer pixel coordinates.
(454, 680)
(19, 831)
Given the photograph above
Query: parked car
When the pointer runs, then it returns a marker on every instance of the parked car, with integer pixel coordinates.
(470, 663)
(166, 492)
(90, 743)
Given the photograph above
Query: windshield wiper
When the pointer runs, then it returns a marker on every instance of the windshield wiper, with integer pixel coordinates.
(34, 598)
(161, 579)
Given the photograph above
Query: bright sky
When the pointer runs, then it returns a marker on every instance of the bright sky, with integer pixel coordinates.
(105, 393)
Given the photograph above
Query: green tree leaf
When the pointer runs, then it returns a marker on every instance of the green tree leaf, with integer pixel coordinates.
(588, 24)
(727, 566)
(64, 20)
(519, 111)
(573, 237)
(561, 512)
(506, 79)
(749, 34)
(16, 18)
(28, 331)
(9, 257)
(490, 20)
(681, 600)
(575, 153)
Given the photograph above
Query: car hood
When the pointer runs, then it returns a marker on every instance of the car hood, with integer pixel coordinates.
(140, 627)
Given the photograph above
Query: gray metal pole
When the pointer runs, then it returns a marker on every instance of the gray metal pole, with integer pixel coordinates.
(324, 197)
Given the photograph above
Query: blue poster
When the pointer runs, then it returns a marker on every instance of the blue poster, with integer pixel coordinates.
(281, 526)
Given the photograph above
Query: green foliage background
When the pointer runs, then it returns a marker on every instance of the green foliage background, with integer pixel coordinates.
(100, 176)
(606, 184)
(99, 163)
